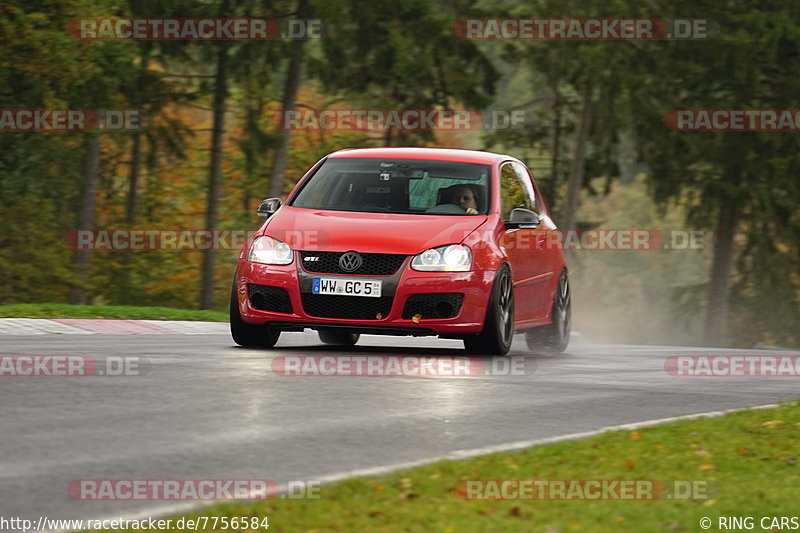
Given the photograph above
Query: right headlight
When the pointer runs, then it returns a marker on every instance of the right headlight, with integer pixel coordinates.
(449, 258)
(270, 251)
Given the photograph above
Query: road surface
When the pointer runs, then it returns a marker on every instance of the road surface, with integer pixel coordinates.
(206, 409)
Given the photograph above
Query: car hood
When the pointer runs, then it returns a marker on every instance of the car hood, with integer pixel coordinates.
(340, 231)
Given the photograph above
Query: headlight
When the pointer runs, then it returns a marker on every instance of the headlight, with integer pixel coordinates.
(450, 258)
(270, 251)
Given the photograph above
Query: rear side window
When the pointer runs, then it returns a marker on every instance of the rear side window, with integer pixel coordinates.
(527, 185)
(514, 192)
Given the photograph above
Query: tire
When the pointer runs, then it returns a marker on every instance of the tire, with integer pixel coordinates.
(341, 338)
(554, 338)
(498, 329)
(249, 335)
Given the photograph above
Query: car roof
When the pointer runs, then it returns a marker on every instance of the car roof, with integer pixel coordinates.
(439, 154)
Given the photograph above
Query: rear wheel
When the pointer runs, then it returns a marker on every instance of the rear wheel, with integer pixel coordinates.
(249, 335)
(554, 337)
(340, 338)
(498, 329)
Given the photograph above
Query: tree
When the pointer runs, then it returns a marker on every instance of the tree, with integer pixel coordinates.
(402, 55)
(743, 182)
(215, 164)
(294, 71)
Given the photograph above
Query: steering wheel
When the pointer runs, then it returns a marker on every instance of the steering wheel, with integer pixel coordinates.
(447, 209)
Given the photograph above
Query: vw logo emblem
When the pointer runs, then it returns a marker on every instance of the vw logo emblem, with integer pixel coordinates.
(350, 261)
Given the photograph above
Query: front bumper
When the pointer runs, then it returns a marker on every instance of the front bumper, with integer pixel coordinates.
(304, 308)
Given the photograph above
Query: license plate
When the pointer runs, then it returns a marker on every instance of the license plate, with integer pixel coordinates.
(347, 287)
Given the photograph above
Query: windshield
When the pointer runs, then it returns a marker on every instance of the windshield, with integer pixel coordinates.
(408, 186)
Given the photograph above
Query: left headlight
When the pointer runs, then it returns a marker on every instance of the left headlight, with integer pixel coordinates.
(270, 251)
(450, 258)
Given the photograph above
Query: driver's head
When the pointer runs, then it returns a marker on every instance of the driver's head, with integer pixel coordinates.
(465, 197)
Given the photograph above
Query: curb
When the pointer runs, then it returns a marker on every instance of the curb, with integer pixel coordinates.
(89, 326)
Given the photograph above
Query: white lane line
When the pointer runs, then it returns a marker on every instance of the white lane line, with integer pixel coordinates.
(159, 512)
(525, 444)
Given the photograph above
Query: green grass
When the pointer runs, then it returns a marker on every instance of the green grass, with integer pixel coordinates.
(749, 455)
(107, 311)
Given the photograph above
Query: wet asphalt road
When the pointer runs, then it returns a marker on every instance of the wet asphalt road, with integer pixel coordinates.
(206, 409)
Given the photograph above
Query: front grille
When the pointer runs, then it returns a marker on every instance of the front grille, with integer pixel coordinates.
(373, 264)
(437, 305)
(268, 298)
(356, 307)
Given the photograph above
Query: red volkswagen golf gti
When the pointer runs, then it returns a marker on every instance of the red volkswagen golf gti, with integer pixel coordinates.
(406, 241)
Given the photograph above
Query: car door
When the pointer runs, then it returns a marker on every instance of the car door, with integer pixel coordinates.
(531, 266)
(542, 255)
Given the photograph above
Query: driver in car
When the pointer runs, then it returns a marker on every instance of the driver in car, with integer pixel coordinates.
(465, 198)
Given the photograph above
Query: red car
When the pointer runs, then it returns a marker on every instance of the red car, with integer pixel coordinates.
(406, 241)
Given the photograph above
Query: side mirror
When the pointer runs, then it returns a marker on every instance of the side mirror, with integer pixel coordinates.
(523, 219)
(268, 207)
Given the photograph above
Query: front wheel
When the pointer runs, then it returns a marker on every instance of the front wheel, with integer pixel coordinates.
(340, 338)
(498, 329)
(553, 338)
(249, 335)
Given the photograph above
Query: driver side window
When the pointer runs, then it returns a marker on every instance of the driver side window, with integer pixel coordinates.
(512, 192)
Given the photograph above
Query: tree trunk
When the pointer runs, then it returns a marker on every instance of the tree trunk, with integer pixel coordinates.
(131, 202)
(249, 177)
(91, 176)
(556, 148)
(716, 330)
(578, 167)
(215, 174)
(252, 152)
(293, 78)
